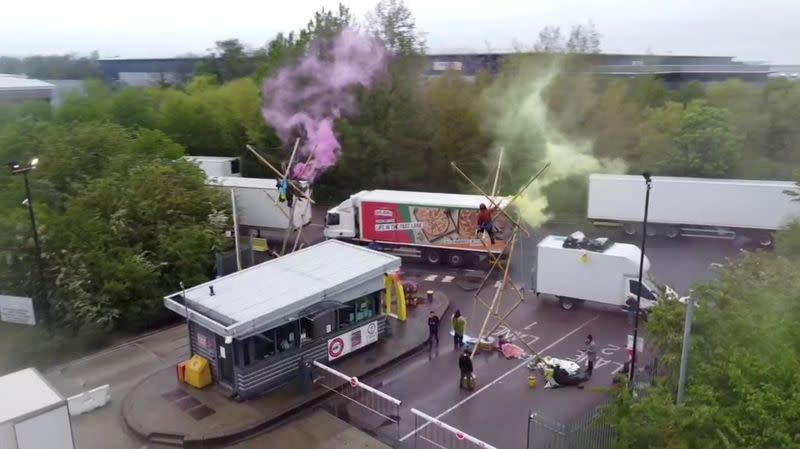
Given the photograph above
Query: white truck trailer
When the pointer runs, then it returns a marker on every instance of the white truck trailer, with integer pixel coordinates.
(33, 415)
(217, 165)
(694, 207)
(257, 204)
(574, 269)
(434, 227)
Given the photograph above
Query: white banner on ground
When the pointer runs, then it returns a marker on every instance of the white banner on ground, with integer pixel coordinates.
(17, 309)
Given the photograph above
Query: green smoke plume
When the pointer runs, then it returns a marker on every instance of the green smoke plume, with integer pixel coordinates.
(521, 123)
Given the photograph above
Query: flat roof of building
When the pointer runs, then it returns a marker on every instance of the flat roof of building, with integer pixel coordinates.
(25, 392)
(258, 298)
(430, 199)
(16, 83)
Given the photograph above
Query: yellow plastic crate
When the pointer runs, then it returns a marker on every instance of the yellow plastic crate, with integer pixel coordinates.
(198, 372)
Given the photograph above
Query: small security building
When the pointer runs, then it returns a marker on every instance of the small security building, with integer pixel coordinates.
(256, 326)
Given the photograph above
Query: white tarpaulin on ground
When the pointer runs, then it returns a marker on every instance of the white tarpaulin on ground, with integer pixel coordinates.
(17, 309)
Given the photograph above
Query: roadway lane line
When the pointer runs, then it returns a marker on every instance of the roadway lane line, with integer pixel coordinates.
(482, 389)
(448, 279)
(431, 277)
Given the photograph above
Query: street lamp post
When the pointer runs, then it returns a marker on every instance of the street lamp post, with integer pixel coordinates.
(648, 182)
(42, 302)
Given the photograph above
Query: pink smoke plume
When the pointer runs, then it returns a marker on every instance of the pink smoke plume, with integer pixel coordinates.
(305, 99)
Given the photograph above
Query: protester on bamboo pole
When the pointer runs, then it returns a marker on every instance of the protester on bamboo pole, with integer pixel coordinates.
(485, 221)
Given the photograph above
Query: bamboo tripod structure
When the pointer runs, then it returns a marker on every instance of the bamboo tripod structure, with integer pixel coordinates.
(497, 262)
(298, 190)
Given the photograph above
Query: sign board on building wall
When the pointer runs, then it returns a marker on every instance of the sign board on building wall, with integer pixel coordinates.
(17, 309)
(441, 66)
(351, 341)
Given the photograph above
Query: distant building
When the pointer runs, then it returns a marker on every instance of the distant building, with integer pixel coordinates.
(675, 70)
(18, 89)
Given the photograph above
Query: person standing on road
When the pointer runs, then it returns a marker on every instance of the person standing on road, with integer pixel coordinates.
(459, 324)
(465, 366)
(591, 354)
(433, 328)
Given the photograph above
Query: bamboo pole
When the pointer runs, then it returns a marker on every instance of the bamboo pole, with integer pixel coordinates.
(491, 200)
(278, 173)
(497, 173)
(485, 321)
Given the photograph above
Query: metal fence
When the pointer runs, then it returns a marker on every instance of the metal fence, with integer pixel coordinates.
(367, 408)
(587, 432)
(430, 433)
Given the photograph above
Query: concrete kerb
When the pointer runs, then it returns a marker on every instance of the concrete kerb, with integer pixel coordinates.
(244, 432)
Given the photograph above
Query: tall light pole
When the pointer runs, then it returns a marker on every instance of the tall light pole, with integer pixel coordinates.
(42, 302)
(687, 342)
(648, 185)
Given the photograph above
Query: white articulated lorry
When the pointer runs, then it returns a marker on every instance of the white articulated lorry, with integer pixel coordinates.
(575, 269)
(748, 211)
(434, 227)
(33, 415)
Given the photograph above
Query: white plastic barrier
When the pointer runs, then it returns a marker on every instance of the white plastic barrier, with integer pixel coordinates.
(89, 400)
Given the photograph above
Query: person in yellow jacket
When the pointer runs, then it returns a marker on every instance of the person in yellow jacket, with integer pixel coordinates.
(459, 324)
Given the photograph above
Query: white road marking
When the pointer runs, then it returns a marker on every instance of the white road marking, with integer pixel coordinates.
(431, 277)
(502, 376)
(447, 279)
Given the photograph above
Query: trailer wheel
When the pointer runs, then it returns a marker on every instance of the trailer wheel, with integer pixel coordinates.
(455, 259)
(433, 256)
(567, 303)
(672, 232)
(765, 240)
(630, 228)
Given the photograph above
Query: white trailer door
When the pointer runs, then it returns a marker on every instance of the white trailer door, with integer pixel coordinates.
(49, 430)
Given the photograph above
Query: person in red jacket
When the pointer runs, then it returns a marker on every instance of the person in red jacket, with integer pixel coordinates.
(485, 221)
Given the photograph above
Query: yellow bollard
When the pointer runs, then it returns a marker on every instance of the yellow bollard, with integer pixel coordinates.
(532, 382)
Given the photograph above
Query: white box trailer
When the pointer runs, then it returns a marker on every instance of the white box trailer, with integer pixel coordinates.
(608, 274)
(33, 415)
(257, 204)
(217, 165)
(694, 207)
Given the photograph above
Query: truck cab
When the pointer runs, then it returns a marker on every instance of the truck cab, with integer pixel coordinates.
(341, 222)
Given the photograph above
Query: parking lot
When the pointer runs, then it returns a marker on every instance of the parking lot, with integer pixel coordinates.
(496, 412)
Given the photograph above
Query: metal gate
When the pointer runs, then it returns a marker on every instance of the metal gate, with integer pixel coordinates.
(587, 432)
(374, 411)
(431, 433)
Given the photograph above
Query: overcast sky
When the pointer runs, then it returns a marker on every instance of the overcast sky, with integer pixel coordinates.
(765, 30)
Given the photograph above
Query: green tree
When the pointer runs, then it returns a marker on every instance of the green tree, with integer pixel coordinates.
(393, 23)
(742, 388)
(151, 226)
(93, 105)
(698, 140)
(583, 39)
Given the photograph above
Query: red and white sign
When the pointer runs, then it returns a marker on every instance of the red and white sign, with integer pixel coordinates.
(352, 340)
(354, 382)
(460, 436)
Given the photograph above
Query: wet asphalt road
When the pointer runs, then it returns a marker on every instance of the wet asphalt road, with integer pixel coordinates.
(497, 411)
